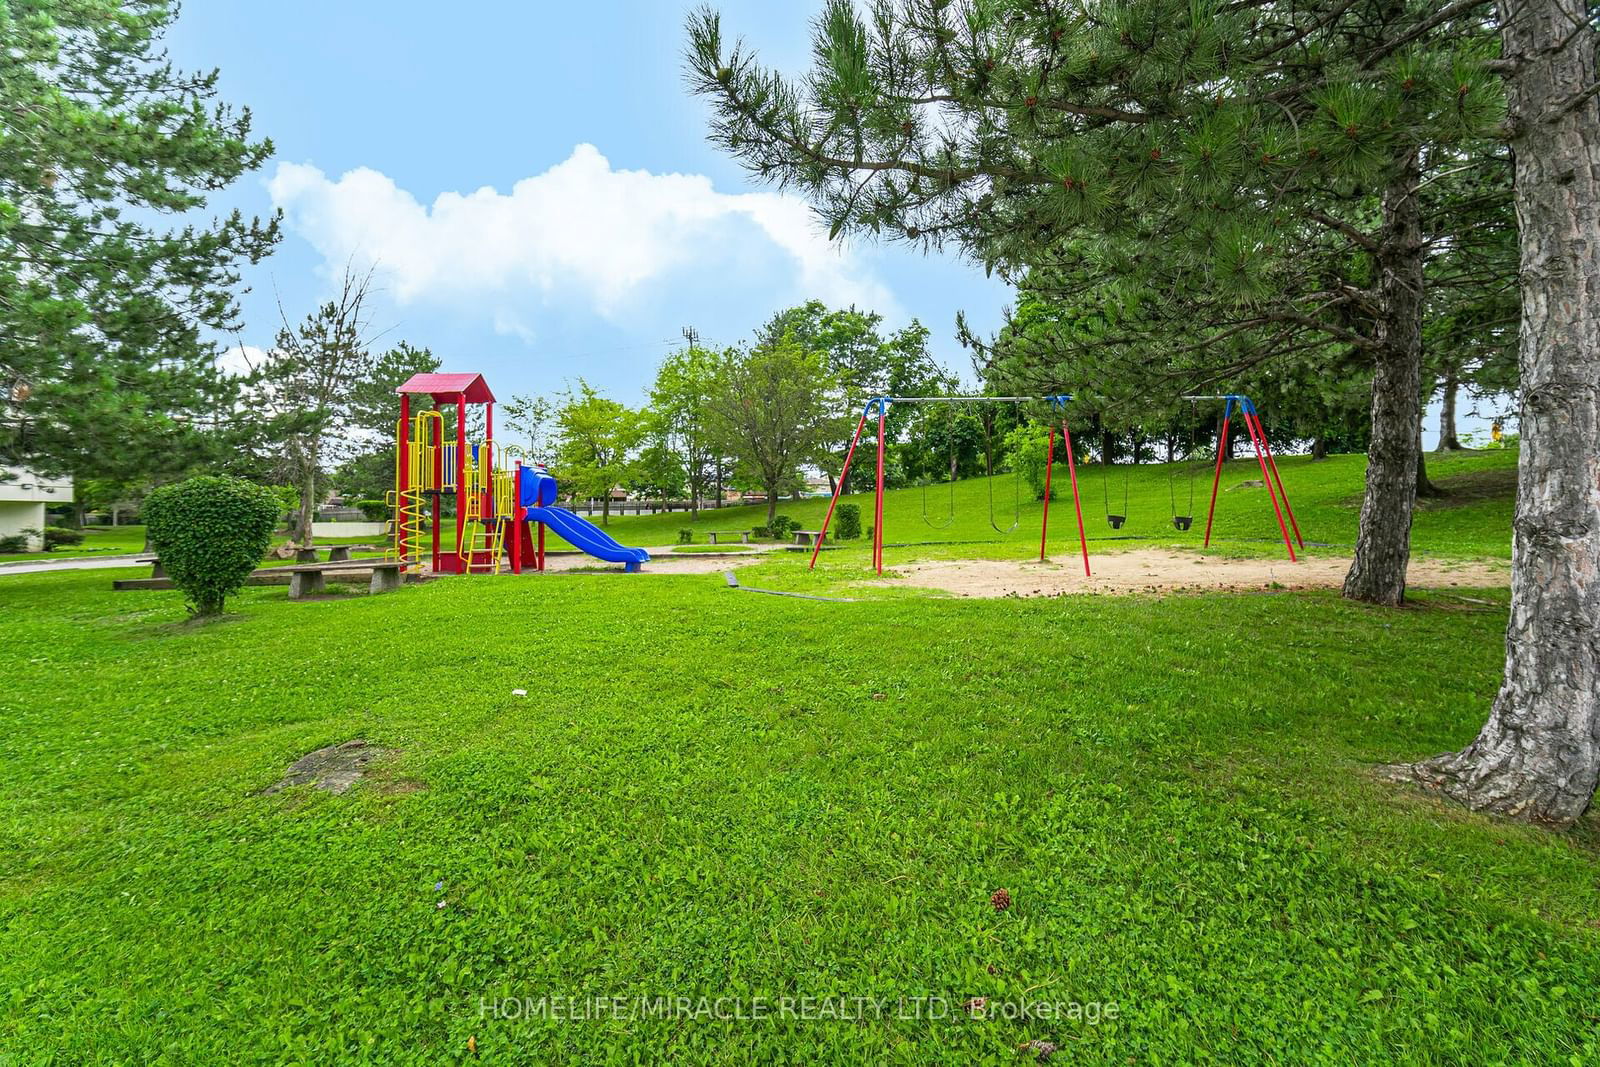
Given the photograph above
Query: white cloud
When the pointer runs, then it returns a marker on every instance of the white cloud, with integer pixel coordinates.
(240, 360)
(580, 229)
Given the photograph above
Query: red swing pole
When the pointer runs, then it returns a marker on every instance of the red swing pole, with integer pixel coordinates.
(1077, 505)
(1216, 480)
(1247, 409)
(1282, 492)
(838, 489)
(877, 525)
(1049, 461)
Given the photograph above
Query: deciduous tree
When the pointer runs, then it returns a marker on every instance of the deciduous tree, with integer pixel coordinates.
(597, 437)
(771, 411)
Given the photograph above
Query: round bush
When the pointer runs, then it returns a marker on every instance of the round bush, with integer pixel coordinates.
(373, 510)
(210, 533)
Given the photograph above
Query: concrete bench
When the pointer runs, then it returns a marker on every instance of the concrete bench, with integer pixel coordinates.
(311, 579)
(804, 537)
(336, 553)
(156, 569)
(742, 535)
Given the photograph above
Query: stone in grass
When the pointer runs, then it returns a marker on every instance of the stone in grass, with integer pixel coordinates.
(335, 768)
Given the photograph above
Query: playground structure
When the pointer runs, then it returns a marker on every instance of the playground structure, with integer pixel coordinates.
(1271, 479)
(495, 504)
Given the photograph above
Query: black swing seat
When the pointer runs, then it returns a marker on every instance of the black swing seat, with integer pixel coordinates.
(1182, 522)
(1116, 521)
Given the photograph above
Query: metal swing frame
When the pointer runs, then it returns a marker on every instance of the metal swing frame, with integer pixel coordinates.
(880, 405)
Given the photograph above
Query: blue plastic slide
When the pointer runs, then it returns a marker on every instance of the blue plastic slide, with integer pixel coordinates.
(586, 535)
(537, 494)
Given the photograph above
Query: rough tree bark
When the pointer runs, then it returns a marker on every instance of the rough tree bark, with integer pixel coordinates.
(1383, 543)
(308, 503)
(1448, 441)
(1538, 756)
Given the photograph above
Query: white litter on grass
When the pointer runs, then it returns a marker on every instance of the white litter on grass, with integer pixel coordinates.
(519, 692)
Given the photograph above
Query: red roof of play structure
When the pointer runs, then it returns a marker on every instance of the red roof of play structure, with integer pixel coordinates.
(448, 386)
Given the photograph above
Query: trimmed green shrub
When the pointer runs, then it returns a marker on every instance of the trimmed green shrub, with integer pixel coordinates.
(686, 536)
(760, 533)
(782, 526)
(847, 523)
(373, 510)
(210, 533)
(56, 536)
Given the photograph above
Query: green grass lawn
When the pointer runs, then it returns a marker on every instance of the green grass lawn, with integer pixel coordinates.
(97, 541)
(714, 793)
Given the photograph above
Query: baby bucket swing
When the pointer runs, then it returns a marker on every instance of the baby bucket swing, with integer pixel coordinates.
(1115, 520)
(1182, 521)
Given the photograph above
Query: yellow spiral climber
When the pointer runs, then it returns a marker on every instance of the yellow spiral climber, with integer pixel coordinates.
(408, 501)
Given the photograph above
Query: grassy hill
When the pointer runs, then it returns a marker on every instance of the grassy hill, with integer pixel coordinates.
(1473, 519)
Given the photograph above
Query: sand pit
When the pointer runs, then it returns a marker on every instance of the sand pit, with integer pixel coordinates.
(1156, 570)
(662, 561)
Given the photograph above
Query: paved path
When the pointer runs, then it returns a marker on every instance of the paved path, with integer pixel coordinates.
(75, 563)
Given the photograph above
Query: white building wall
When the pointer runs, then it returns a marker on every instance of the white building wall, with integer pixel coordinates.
(19, 515)
(23, 497)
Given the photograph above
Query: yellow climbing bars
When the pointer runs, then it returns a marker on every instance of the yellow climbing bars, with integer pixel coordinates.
(408, 501)
(490, 501)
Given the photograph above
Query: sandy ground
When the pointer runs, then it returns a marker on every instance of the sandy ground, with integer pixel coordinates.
(1158, 570)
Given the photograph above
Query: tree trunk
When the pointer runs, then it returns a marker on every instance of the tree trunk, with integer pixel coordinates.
(1319, 448)
(772, 503)
(1425, 487)
(1448, 442)
(605, 508)
(1538, 756)
(308, 504)
(1383, 543)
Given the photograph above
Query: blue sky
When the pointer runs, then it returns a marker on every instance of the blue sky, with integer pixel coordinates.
(534, 184)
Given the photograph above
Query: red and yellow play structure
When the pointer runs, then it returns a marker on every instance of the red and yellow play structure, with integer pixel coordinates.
(501, 506)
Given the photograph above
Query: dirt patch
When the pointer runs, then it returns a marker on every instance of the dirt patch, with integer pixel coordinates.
(662, 561)
(335, 768)
(1155, 570)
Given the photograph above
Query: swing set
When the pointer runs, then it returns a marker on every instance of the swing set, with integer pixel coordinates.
(881, 404)
(1058, 409)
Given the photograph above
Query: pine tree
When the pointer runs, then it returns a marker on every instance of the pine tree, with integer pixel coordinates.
(1224, 158)
(106, 368)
